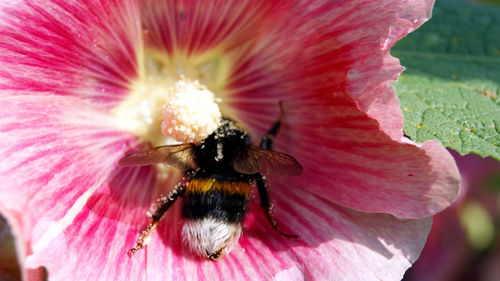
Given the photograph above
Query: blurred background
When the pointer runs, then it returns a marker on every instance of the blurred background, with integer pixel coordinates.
(464, 242)
(9, 270)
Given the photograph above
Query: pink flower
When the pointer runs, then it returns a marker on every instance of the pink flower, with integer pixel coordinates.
(69, 74)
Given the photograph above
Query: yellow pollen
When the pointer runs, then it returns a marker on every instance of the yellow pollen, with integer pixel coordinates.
(174, 97)
(228, 187)
(190, 113)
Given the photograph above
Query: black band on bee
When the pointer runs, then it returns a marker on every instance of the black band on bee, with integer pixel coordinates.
(219, 205)
(224, 200)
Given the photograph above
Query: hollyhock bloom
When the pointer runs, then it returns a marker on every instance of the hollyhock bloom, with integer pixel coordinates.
(83, 82)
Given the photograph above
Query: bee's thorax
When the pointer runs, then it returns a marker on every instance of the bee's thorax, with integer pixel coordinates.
(218, 151)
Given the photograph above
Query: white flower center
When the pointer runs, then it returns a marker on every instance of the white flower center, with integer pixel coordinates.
(190, 114)
(168, 104)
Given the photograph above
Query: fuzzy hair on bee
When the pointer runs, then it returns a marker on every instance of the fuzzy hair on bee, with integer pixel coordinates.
(221, 171)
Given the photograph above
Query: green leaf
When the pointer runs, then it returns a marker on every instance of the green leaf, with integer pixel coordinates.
(450, 89)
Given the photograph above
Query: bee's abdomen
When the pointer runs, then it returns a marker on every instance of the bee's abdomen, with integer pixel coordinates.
(218, 199)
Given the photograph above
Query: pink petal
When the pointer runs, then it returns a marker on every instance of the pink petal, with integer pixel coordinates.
(309, 61)
(341, 45)
(349, 160)
(341, 38)
(56, 152)
(94, 246)
(73, 48)
(368, 84)
(193, 27)
(410, 17)
(307, 56)
(60, 160)
(370, 75)
(347, 241)
(335, 244)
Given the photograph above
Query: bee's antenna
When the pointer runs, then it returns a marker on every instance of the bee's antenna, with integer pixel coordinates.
(282, 111)
(267, 140)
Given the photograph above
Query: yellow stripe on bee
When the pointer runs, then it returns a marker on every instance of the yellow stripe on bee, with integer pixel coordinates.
(210, 184)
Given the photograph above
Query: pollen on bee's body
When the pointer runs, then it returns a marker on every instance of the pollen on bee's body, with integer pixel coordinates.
(219, 155)
(146, 240)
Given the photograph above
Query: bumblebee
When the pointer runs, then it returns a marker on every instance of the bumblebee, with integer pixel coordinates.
(221, 171)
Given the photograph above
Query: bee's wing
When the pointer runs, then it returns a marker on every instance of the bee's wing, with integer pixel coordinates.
(257, 160)
(178, 155)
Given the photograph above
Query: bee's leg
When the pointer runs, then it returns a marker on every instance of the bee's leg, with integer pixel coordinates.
(167, 201)
(266, 205)
(267, 141)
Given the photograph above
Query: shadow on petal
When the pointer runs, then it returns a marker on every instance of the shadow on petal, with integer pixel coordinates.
(329, 232)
